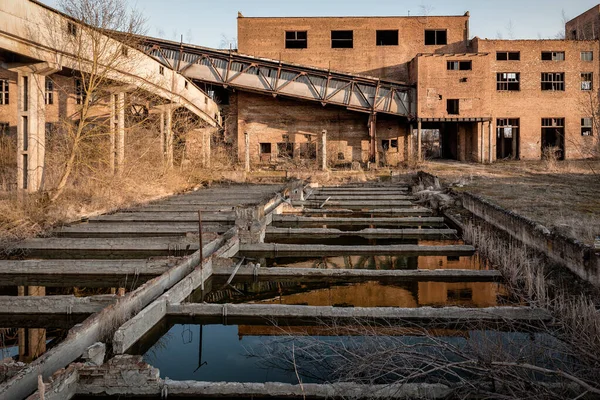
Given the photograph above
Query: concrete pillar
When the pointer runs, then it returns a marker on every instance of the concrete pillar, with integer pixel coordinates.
(373, 135)
(112, 133)
(205, 148)
(419, 142)
(408, 145)
(169, 137)
(120, 139)
(481, 143)
(514, 144)
(32, 342)
(162, 134)
(324, 150)
(490, 144)
(247, 152)
(31, 130)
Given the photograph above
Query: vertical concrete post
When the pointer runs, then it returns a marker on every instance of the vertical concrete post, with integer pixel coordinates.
(206, 148)
(169, 137)
(490, 145)
(324, 150)
(112, 133)
(31, 130)
(419, 142)
(162, 134)
(409, 144)
(32, 342)
(120, 139)
(514, 144)
(481, 143)
(247, 152)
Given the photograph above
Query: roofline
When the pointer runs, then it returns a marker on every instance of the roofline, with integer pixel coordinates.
(361, 16)
(597, 6)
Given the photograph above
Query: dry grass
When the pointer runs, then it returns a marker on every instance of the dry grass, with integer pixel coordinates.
(563, 197)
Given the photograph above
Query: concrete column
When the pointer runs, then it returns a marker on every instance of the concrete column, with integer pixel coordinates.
(514, 144)
(247, 151)
(112, 133)
(419, 142)
(206, 148)
(32, 342)
(408, 145)
(324, 150)
(169, 137)
(162, 134)
(490, 144)
(31, 130)
(481, 143)
(120, 139)
(373, 135)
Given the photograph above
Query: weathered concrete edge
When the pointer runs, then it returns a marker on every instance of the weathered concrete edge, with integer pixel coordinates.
(578, 257)
(391, 313)
(32, 305)
(325, 391)
(94, 328)
(132, 330)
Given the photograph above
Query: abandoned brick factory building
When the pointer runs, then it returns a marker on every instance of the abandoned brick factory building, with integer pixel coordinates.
(355, 89)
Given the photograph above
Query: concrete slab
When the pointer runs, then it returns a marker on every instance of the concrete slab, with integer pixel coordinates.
(273, 250)
(275, 232)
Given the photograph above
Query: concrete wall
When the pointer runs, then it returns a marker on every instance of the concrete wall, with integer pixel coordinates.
(268, 119)
(265, 37)
(585, 26)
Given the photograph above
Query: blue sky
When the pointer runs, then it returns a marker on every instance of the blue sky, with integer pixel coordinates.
(205, 22)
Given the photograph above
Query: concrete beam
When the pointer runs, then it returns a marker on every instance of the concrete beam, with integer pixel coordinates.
(300, 250)
(366, 233)
(355, 203)
(404, 221)
(414, 211)
(33, 305)
(124, 230)
(438, 275)
(145, 217)
(314, 313)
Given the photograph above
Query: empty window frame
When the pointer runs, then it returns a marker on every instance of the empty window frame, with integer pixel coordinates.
(342, 39)
(436, 37)
(459, 65)
(387, 38)
(265, 148)
(587, 56)
(285, 150)
(78, 91)
(553, 81)
(4, 91)
(387, 144)
(296, 39)
(452, 106)
(49, 92)
(508, 56)
(553, 56)
(72, 28)
(4, 128)
(587, 126)
(587, 81)
(553, 122)
(508, 81)
(161, 70)
(308, 151)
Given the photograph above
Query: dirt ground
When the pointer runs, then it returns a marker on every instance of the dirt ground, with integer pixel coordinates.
(563, 195)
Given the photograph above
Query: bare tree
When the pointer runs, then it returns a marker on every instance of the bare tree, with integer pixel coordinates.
(228, 42)
(97, 55)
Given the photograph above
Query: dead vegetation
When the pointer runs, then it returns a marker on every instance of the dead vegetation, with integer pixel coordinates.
(562, 195)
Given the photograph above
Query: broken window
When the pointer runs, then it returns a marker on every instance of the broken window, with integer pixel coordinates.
(553, 81)
(49, 93)
(387, 144)
(296, 40)
(78, 91)
(459, 294)
(436, 37)
(387, 38)
(553, 56)
(285, 150)
(342, 39)
(4, 91)
(265, 148)
(4, 128)
(72, 28)
(587, 80)
(452, 106)
(459, 65)
(308, 151)
(586, 126)
(587, 56)
(508, 81)
(508, 56)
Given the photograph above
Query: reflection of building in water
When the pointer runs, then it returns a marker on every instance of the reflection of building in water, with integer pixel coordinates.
(364, 294)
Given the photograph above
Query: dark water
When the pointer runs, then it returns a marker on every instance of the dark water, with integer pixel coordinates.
(263, 353)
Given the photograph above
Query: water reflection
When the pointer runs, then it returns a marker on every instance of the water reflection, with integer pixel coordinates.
(407, 294)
